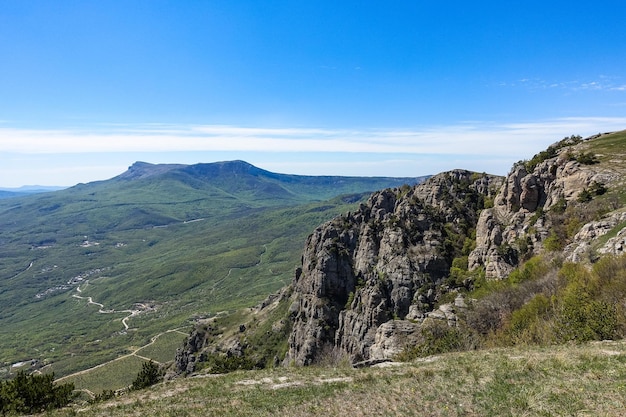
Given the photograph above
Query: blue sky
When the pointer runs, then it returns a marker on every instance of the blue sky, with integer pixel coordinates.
(397, 88)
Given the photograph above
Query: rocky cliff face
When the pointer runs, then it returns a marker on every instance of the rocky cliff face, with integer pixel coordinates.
(525, 212)
(369, 278)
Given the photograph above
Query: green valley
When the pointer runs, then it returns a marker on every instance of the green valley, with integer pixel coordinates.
(90, 273)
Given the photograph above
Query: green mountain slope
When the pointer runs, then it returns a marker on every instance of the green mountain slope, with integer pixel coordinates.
(153, 247)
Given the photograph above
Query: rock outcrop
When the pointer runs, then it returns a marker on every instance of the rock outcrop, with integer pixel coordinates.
(369, 278)
(518, 224)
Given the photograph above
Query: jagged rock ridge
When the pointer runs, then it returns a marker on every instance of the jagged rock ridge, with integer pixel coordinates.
(368, 278)
(519, 217)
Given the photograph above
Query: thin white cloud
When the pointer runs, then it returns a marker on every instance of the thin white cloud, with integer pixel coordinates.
(603, 83)
(65, 157)
(471, 138)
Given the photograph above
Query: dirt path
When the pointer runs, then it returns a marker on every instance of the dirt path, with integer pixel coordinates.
(133, 353)
(131, 313)
(21, 272)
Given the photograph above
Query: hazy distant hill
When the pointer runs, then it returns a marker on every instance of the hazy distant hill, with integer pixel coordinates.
(26, 190)
(153, 248)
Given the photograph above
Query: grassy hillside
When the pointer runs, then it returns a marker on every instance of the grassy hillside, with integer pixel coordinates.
(152, 249)
(582, 380)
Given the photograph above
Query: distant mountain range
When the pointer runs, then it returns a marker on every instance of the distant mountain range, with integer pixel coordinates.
(26, 190)
(213, 171)
(240, 176)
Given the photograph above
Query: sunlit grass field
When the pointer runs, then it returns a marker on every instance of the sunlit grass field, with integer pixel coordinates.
(581, 380)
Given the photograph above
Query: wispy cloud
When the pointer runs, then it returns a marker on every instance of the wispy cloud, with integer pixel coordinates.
(470, 138)
(69, 156)
(601, 83)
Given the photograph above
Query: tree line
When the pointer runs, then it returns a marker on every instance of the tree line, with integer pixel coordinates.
(27, 394)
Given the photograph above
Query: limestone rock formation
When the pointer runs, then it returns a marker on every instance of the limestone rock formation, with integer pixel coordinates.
(368, 278)
(518, 222)
(189, 354)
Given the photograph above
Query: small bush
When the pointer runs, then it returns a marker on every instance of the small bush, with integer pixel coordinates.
(551, 152)
(582, 319)
(584, 196)
(103, 396)
(597, 188)
(438, 338)
(534, 268)
(508, 253)
(526, 323)
(553, 243)
(560, 206)
(587, 158)
(535, 305)
(582, 313)
(223, 364)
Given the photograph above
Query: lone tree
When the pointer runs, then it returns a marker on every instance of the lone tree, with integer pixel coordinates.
(149, 375)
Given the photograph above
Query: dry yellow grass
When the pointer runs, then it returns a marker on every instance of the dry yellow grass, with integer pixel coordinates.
(581, 380)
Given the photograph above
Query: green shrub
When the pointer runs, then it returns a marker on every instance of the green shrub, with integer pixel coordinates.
(438, 338)
(524, 247)
(560, 206)
(350, 300)
(33, 394)
(458, 272)
(538, 306)
(526, 323)
(553, 243)
(551, 152)
(105, 395)
(587, 158)
(582, 319)
(508, 253)
(223, 364)
(584, 196)
(582, 315)
(597, 188)
(534, 268)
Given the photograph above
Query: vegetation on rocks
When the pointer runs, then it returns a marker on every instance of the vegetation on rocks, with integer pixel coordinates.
(422, 270)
